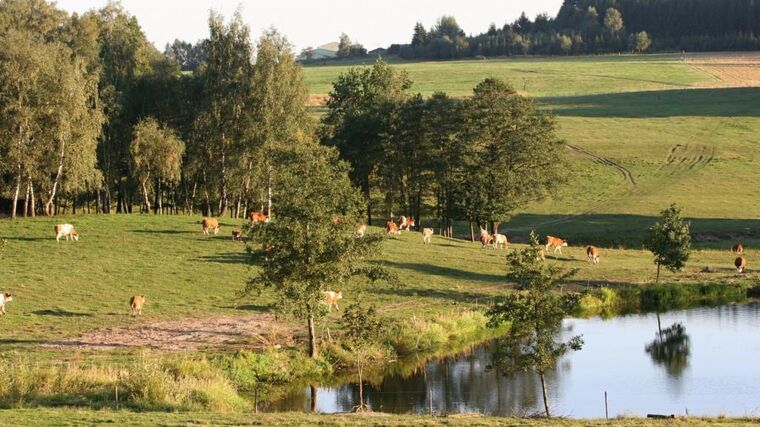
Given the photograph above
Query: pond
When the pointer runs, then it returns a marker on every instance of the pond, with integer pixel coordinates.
(701, 361)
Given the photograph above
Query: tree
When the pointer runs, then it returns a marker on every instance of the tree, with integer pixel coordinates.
(156, 153)
(312, 246)
(640, 41)
(357, 112)
(362, 329)
(307, 53)
(669, 240)
(227, 81)
(447, 26)
(514, 148)
(536, 314)
(420, 36)
(613, 21)
(344, 46)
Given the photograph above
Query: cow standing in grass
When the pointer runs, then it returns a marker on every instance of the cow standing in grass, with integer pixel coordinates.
(405, 223)
(592, 252)
(4, 298)
(486, 239)
(740, 264)
(136, 304)
(738, 249)
(427, 235)
(500, 241)
(556, 243)
(65, 230)
(210, 224)
(391, 228)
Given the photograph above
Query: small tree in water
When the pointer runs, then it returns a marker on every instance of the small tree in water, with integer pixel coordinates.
(312, 246)
(669, 240)
(362, 328)
(536, 314)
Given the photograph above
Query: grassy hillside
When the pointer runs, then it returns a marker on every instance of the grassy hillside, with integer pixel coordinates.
(65, 289)
(642, 132)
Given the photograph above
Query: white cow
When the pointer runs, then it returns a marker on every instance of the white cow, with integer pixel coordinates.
(66, 230)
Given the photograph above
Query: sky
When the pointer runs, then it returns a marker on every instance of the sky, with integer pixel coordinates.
(312, 23)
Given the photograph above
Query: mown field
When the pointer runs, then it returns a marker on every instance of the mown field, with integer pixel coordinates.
(642, 132)
(71, 417)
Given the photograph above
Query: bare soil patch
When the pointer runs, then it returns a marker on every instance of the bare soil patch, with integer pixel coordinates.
(731, 69)
(255, 331)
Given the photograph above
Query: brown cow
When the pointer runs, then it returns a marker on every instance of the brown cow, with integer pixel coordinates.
(405, 223)
(592, 252)
(210, 224)
(332, 297)
(257, 217)
(741, 264)
(556, 243)
(738, 249)
(136, 304)
(391, 228)
(237, 235)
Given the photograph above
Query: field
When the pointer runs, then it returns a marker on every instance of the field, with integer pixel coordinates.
(641, 132)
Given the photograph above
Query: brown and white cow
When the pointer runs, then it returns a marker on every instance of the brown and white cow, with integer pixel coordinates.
(257, 217)
(136, 304)
(592, 252)
(741, 264)
(391, 228)
(738, 249)
(427, 235)
(66, 230)
(556, 243)
(237, 235)
(499, 241)
(541, 255)
(4, 298)
(210, 224)
(486, 239)
(332, 298)
(405, 223)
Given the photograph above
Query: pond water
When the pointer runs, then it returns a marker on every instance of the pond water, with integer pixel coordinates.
(709, 365)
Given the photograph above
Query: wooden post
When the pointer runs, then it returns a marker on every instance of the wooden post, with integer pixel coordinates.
(116, 390)
(606, 412)
(430, 400)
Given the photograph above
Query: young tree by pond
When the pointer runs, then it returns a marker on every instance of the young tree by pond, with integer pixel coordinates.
(669, 240)
(312, 247)
(535, 314)
(362, 328)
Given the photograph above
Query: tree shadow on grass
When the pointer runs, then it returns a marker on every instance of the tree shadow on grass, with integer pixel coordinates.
(250, 307)
(226, 258)
(163, 231)
(30, 239)
(463, 296)
(448, 272)
(60, 313)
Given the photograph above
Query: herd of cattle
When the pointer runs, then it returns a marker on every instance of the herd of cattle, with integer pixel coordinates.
(495, 241)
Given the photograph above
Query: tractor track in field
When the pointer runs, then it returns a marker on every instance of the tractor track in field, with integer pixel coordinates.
(688, 156)
(627, 174)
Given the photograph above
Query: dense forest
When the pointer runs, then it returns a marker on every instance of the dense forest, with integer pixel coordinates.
(94, 118)
(599, 26)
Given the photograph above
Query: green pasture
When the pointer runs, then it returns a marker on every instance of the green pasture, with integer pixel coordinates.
(62, 290)
(536, 76)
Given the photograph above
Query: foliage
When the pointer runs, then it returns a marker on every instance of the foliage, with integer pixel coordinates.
(156, 153)
(361, 329)
(670, 348)
(535, 315)
(670, 240)
(348, 49)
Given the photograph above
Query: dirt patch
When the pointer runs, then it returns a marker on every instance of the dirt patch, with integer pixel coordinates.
(731, 69)
(251, 331)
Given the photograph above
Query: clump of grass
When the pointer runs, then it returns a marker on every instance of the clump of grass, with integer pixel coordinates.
(602, 302)
(419, 335)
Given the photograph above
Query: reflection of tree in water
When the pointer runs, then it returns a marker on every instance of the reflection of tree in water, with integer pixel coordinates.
(670, 348)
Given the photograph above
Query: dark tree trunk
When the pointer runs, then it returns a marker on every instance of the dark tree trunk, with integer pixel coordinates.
(312, 338)
(313, 389)
(546, 395)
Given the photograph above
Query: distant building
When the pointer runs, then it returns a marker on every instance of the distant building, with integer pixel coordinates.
(326, 51)
(378, 52)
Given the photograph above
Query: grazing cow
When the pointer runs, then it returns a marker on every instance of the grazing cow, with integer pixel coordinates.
(486, 239)
(210, 224)
(4, 297)
(592, 252)
(500, 241)
(391, 228)
(136, 304)
(405, 223)
(427, 235)
(237, 235)
(332, 297)
(361, 230)
(66, 230)
(738, 249)
(556, 243)
(257, 217)
(741, 264)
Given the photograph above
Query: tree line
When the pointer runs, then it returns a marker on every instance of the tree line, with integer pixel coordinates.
(599, 26)
(93, 117)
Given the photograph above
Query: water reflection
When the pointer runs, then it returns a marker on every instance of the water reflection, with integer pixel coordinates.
(677, 370)
(670, 349)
